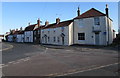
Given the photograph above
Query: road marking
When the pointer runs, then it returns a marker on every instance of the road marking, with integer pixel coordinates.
(11, 62)
(11, 46)
(89, 69)
(68, 50)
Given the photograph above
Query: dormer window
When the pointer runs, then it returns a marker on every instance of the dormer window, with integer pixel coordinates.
(97, 21)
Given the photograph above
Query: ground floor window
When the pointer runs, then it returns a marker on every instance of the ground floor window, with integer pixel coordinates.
(48, 39)
(54, 39)
(81, 36)
(58, 39)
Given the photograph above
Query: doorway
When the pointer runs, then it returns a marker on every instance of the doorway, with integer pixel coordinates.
(97, 39)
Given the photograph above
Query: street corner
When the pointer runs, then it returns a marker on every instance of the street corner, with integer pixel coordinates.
(6, 46)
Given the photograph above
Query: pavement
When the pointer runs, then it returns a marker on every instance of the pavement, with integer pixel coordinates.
(37, 60)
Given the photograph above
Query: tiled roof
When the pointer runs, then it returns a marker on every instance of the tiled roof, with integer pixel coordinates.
(90, 13)
(30, 27)
(61, 24)
(21, 32)
(16, 32)
(40, 27)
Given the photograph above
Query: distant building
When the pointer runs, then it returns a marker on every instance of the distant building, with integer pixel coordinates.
(29, 31)
(20, 36)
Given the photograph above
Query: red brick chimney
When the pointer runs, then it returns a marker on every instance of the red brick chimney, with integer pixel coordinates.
(38, 22)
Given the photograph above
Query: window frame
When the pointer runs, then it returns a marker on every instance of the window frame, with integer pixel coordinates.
(96, 21)
(81, 36)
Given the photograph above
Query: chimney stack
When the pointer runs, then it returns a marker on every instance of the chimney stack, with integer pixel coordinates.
(21, 29)
(16, 29)
(107, 10)
(38, 22)
(57, 20)
(29, 24)
(78, 11)
(46, 23)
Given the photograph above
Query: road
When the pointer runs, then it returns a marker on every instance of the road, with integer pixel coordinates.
(36, 60)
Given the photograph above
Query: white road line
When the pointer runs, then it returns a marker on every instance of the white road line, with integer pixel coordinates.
(11, 62)
(11, 46)
(88, 69)
(68, 50)
(4, 65)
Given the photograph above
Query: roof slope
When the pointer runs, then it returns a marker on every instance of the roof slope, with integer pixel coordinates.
(90, 13)
(30, 27)
(61, 24)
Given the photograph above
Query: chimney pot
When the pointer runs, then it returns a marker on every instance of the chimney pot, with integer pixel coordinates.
(107, 14)
(38, 22)
(46, 23)
(78, 11)
(57, 20)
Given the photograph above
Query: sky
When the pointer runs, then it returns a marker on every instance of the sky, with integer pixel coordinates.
(19, 14)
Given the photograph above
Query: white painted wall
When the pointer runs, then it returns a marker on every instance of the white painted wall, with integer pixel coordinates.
(87, 28)
(20, 37)
(10, 38)
(28, 36)
(55, 34)
(71, 34)
(111, 36)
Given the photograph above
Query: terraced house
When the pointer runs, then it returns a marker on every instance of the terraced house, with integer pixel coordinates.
(89, 28)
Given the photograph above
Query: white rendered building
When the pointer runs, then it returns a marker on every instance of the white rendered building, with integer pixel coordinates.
(90, 28)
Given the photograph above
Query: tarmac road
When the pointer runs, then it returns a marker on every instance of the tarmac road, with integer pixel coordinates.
(36, 60)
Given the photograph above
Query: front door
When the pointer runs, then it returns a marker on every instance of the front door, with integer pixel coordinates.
(96, 38)
(62, 40)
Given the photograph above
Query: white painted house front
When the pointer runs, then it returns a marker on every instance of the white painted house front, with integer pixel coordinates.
(29, 32)
(20, 36)
(57, 33)
(10, 38)
(90, 28)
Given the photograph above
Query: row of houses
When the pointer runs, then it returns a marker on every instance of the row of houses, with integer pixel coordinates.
(90, 28)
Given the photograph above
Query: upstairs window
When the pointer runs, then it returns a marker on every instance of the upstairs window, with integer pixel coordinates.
(97, 21)
(81, 36)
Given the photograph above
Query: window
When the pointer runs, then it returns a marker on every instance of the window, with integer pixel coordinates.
(81, 36)
(58, 39)
(48, 39)
(54, 39)
(97, 21)
(43, 39)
